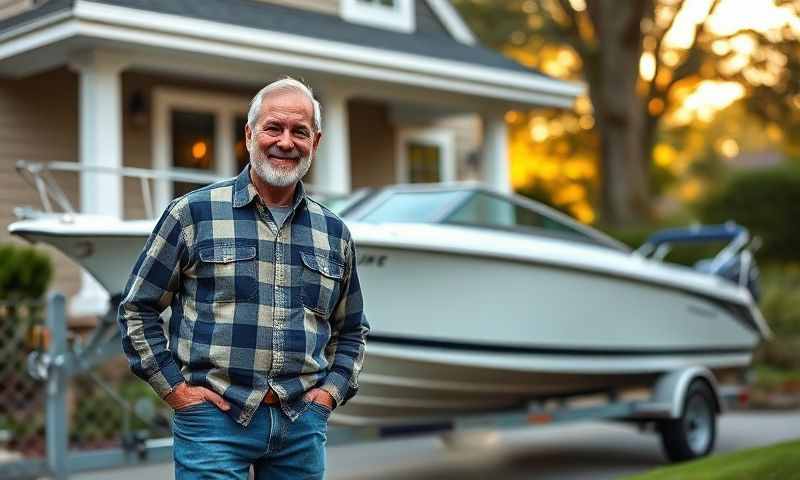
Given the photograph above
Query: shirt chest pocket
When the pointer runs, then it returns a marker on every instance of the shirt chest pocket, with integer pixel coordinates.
(227, 274)
(322, 283)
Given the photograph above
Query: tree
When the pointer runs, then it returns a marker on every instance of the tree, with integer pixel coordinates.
(629, 66)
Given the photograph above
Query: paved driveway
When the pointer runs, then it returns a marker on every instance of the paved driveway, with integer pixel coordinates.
(576, 451)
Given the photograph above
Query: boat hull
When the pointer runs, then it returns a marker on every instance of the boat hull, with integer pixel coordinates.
(454, 335)
(407, 386)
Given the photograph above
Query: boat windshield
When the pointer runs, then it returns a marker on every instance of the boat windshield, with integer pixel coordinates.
(338, 204)
(491, 211)
(467, 207)
(415, 207)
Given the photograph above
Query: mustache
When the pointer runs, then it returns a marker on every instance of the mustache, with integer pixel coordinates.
(292, 154)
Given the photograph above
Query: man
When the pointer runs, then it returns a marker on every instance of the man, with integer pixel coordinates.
(267, 330)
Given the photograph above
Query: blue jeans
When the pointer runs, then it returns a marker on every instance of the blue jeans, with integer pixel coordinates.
(208, 444)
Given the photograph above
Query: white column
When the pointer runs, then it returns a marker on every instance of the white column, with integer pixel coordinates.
(496, 163)
(331, 172)
(100, 120)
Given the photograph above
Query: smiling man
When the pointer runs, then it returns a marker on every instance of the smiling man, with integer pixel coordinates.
(267, 330)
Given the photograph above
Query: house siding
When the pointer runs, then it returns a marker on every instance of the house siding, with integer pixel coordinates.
(372, 144)
(39, 122)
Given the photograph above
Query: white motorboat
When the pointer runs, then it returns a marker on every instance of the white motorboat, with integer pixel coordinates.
(481, 301)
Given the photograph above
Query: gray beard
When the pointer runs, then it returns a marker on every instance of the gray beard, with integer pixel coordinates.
(278, 177)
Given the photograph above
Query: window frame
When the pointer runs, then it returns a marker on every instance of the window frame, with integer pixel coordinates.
(400, 17)
(224, 107)
(442, 138)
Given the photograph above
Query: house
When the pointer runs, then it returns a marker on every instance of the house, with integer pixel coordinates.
(408, 95)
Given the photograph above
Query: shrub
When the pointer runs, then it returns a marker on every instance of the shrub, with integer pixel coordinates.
(780, 302)
(25, 272)
(767, 202)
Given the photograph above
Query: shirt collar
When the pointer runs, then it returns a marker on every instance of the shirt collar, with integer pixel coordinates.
(244, 192)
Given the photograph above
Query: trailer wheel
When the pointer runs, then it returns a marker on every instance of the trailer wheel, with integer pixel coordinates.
(693, 434)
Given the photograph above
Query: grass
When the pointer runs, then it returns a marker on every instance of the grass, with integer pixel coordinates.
(776, 462)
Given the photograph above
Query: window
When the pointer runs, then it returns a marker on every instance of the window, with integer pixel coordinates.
(196, 132)
(424, 163)
(192, 145)
(425, 155)
(389, 14)
(239, 147)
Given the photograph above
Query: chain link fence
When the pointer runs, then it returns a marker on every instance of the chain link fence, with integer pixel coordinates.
(22, 414)
(103, 407)
(109, 407)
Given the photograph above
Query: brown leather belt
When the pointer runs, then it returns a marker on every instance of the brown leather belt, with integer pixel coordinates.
(271, 398)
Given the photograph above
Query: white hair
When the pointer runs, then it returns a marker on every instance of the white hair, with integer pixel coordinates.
(287, 84)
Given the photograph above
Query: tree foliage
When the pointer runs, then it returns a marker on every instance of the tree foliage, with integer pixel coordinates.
(637, 70)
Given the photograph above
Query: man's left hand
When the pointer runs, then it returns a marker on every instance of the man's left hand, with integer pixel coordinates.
(320, 396)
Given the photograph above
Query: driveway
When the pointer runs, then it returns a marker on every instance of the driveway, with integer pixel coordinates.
(577, 451)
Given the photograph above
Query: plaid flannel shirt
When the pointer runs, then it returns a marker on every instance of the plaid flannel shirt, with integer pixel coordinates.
(254, 305)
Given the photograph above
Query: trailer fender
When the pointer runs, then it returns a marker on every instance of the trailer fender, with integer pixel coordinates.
(672, 387)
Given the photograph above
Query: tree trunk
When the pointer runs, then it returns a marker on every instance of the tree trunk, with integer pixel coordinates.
(649, 132)
(614, 73)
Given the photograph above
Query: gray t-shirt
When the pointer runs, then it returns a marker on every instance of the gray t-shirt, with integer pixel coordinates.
(279, 214)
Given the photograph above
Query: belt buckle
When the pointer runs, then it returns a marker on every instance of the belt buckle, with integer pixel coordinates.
(271, 398)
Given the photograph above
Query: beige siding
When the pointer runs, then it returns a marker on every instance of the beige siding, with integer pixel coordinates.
(330, 7)
(38, 122)
(372, 143)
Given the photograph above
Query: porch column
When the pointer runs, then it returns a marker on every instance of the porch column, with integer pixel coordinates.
(331, 172)
(100, 120)
(495, 165)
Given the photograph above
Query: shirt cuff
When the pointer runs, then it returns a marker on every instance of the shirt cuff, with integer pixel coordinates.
(338, 386)
(165, 380)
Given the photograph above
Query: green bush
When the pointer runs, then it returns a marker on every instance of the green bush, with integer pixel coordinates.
(780, 301)
(25, 272)
(767, 202)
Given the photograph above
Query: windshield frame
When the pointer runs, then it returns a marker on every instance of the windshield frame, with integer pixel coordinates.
(368, 201)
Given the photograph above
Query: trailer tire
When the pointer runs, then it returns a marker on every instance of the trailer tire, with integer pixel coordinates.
(693, 434)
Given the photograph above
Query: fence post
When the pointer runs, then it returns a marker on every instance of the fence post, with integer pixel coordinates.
(57, 425)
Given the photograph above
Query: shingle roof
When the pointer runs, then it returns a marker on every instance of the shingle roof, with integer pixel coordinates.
(266, 16)
(46, 8)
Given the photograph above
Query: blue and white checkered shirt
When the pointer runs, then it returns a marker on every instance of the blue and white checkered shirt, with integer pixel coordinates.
(254, 305)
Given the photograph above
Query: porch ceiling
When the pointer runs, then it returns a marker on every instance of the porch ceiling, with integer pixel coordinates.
(213, 49)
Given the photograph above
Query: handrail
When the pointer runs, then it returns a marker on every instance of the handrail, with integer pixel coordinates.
(659, 245)
(39, 176)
